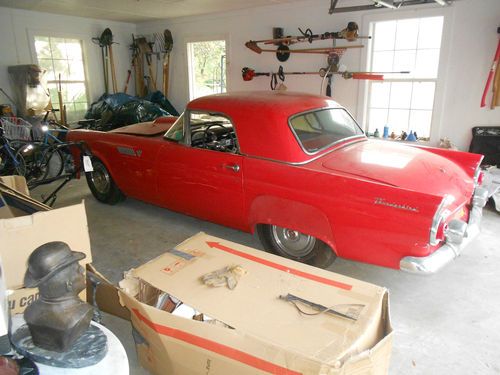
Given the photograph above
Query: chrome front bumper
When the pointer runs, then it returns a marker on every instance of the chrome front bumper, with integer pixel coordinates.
(458, 236)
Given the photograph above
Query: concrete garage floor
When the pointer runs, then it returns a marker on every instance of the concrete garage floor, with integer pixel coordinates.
(444, 324)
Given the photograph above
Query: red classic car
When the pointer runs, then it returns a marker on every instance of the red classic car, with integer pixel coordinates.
(297, 169)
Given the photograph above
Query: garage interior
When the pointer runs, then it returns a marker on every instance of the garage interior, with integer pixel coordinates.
(443, 323)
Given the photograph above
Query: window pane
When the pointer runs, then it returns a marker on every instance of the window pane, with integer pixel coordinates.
(384, 37)
(379, 94)
(382, 61)
(406, 34)
(398, 120)
(427, 63)
(429, 35)
(58, 48)
(401, 95)
(47, 66)
(42, 47)
(404, 61)
(76, 71)
(61, 68)
(76, 92)
(73, 49)
(423, 95)
(207, 68)
(377, 119)
(420, 122)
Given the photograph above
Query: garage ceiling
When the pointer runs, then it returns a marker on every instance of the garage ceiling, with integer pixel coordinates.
(136, 10)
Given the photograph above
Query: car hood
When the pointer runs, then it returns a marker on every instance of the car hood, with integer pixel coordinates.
(402, 166)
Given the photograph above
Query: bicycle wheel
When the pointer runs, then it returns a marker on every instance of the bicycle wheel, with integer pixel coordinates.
(52, 163)
(12, 163)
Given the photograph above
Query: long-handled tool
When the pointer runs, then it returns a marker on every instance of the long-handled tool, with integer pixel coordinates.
(168, 46)
(137, 63)
(146, 51)
(127, 81)
(113, 72)
(62, 107)
(494, 72)
(350, 33)
(494, 68)
(105, 41)
(248, 74)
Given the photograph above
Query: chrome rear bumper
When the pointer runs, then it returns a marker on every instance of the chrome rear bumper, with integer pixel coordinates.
(458, 236)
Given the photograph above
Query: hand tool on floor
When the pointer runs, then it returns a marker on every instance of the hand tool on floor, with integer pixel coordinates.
(352, 310)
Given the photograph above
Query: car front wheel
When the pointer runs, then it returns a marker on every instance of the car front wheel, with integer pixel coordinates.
(295, 245)
(101, 184)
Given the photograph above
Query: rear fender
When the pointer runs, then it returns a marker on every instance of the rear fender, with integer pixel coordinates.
(468, 161)
(291, 214)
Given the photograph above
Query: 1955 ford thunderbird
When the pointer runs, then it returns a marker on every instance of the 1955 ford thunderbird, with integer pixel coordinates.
(299, 170)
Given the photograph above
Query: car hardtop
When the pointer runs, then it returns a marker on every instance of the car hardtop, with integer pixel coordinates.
(261, 120)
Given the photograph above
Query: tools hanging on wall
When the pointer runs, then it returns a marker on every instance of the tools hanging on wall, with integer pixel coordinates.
(161, 45)
(493, 76)
(248, 74)
(105, 41)
(350, 33)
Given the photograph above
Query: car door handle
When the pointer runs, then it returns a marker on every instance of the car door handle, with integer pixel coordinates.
(233, 167)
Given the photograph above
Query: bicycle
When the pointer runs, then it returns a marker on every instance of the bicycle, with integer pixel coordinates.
(10, 161)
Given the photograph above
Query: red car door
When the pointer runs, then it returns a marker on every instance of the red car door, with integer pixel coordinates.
(202, 183)
(135, 157)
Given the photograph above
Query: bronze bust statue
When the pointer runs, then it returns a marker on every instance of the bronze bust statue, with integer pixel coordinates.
(58, 318)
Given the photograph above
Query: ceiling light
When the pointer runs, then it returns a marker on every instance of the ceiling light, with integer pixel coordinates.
(441, 2)
(386, 4)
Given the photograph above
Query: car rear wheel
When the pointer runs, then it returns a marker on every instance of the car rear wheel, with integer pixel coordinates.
(295, 245)
(101, 184)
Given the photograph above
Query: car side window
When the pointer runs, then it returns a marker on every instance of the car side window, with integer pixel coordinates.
(212, 131)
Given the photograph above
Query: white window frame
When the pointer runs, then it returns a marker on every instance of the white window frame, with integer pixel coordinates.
(439, 94)
(32, 33)
(205, 38)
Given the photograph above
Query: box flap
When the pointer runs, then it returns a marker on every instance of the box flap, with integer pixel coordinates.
(254, 308)
(21, 235)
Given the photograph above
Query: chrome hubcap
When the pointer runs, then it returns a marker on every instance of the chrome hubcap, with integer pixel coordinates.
(292, 242)
(100, 178)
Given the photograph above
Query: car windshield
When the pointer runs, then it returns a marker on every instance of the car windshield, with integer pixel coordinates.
(316, 130)
(176, 131)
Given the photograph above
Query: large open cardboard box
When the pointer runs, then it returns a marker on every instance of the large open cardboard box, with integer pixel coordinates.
(26, 224)
(249, 330)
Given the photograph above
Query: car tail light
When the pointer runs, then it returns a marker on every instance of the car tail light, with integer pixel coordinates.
(478, 176)
(439, 220)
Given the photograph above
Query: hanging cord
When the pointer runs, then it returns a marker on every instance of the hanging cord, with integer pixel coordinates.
(275, 76)
(323, 80)
(308, 34)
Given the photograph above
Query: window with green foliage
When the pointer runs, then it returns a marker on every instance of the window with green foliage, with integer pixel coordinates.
(62, 59)
(207, 68)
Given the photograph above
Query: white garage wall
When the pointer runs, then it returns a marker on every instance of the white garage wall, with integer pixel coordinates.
(18, 26)
(469, 46)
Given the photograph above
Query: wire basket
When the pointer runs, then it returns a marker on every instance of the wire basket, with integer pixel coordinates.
(15, 128)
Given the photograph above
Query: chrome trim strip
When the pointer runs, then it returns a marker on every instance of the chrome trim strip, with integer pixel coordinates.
(308, 160)
(446, 253)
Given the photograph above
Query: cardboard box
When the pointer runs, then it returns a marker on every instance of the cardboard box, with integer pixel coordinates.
(22, 231)
(249, 329)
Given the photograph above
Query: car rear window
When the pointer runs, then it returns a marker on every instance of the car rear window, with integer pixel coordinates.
(316, 130)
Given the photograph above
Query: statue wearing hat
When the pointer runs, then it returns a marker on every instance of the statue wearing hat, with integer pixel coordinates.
(58, 318)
